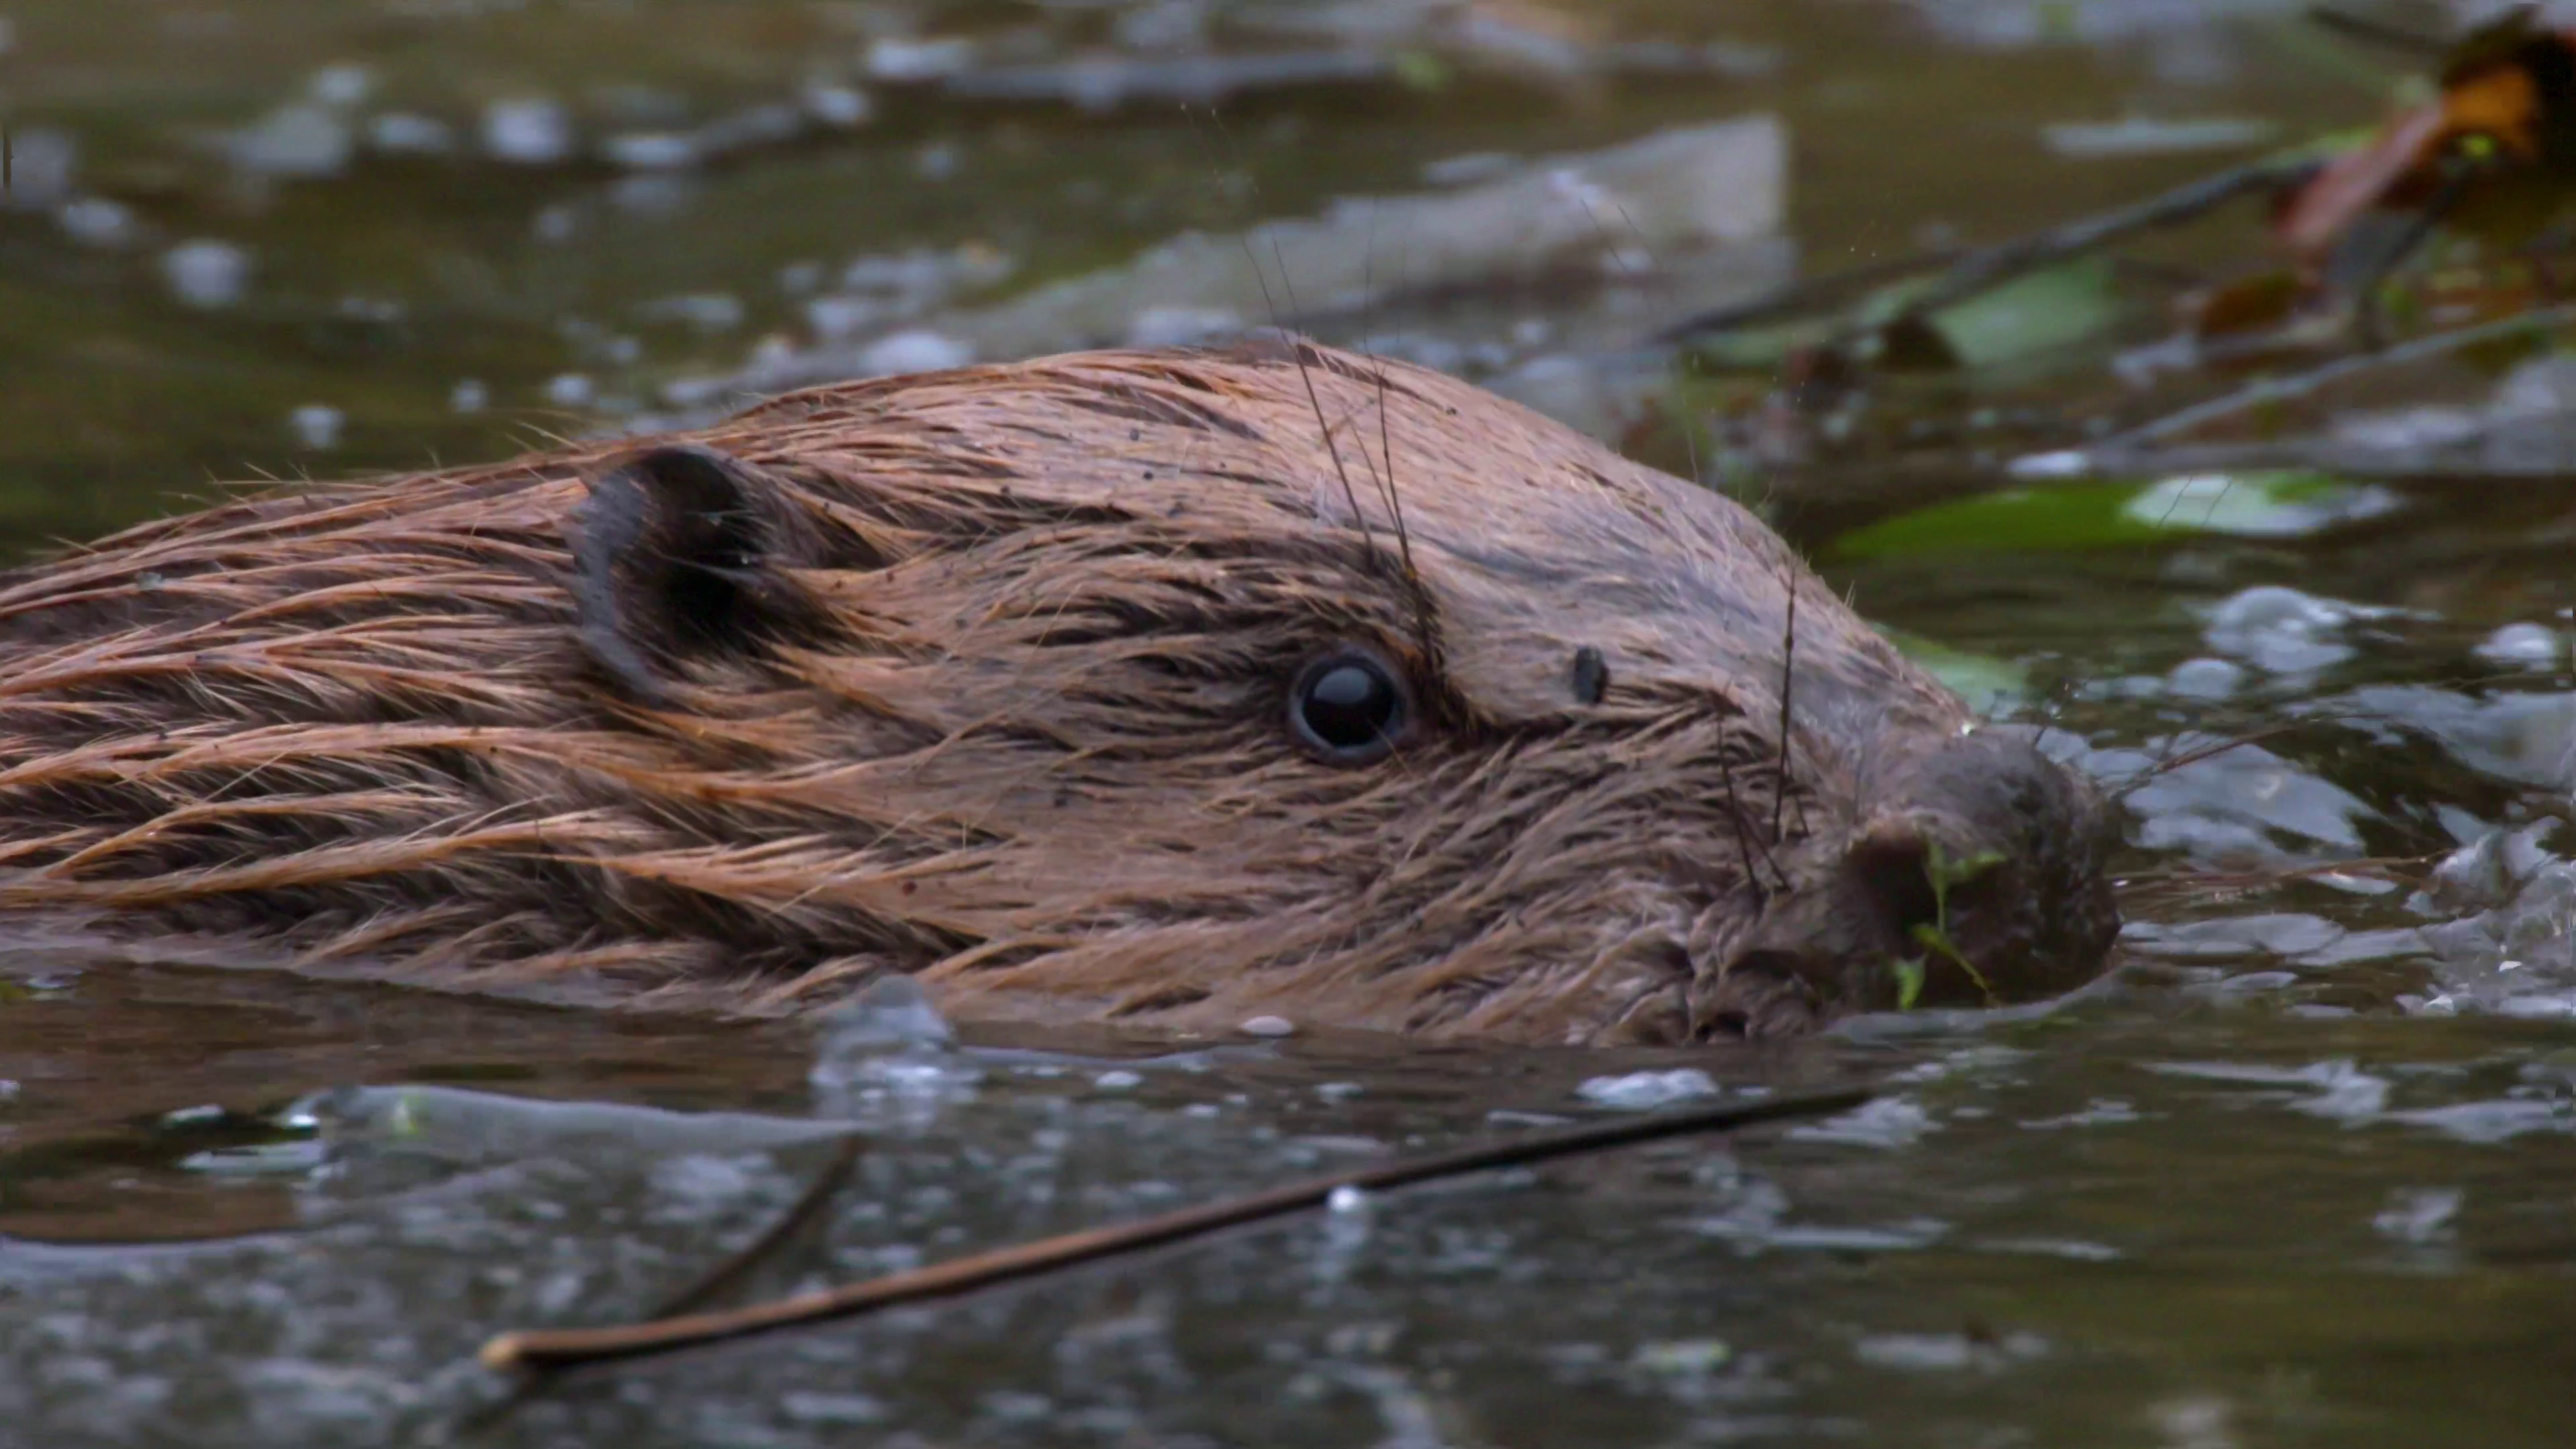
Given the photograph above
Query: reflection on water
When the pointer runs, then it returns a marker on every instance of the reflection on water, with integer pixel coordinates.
(2074, 1229)
(2302, 1172)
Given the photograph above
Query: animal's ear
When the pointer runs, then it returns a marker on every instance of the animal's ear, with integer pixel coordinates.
(682, 553)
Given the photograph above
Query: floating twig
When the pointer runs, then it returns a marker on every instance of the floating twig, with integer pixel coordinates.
(836, 1171)
(541, 1349)
(1990, 266)
(818, 1192)
(2137, 445)
(2406, 40)
(1801, 298)
(1975, 271)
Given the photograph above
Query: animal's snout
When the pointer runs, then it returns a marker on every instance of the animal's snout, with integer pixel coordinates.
(1978, 874)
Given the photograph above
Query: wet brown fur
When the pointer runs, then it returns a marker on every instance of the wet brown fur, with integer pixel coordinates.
(998, 701)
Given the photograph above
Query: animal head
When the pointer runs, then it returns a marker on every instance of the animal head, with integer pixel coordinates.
(1181, 688)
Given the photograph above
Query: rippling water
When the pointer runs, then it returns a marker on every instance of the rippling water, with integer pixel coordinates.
(2303, 1171)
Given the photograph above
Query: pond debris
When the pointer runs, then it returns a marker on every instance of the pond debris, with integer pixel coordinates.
(2502, 118)
(2141, 446)
(1708, 200)
(2138, 135)
(2441, 236)
(554, 1349)
(712, 1284)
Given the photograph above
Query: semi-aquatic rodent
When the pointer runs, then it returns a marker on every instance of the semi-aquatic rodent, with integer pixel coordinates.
(1176, 688)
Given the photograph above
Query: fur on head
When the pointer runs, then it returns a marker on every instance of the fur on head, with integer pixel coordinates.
(1166, 687)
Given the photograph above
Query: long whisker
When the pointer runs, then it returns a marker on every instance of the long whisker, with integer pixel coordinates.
(1745, 844)
(1385, 437)
(1297, 349)
(1385, 485)
(1788, 680)
(1296, 344)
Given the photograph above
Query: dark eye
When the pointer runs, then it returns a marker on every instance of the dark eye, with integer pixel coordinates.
(1349, 707)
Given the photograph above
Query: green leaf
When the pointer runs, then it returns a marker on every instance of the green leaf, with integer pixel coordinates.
(2084, 515)
(1422, 70)
(1909, 983)
(2026, 316)
(1946, 872)
(2259, 504)
(2271, 503)
(1988, 685)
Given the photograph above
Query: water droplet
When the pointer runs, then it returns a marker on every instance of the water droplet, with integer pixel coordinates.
(530, 131)
(206, 273)
(1639, 1091)
(343, 84)
(96, 221)
(317, 425)
(401, 133)
(913, 351)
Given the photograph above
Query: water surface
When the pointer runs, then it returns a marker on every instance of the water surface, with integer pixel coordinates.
(2300, 1173)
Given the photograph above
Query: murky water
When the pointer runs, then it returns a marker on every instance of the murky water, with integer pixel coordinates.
(2302, 1172)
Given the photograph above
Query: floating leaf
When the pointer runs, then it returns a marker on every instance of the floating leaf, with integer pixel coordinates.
(2285, 503)
(1422, 70)
(1989, 685)
(2027, 316)
(2256, 504)
(2090, 515)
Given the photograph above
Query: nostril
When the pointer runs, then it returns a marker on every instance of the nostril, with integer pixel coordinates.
(1890, 865)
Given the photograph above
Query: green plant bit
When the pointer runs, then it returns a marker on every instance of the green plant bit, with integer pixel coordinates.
(1944, 873)
(1909, 982)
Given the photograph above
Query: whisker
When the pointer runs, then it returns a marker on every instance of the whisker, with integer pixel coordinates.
(1297, 349)
(1296, 344)
(1788, 681)
(1745, 844)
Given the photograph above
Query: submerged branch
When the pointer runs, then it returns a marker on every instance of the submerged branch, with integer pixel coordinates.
(565, 1348)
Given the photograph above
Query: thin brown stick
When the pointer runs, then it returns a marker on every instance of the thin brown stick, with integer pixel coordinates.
(2422, 45)
(1803, 297)
(716, 1280)
(1985, 267)
(565, 1348)
(818, 1192)
(2127, 449)
(2182, 884)
(1992, 266)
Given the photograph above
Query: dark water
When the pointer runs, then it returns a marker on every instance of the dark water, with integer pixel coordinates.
(2302, 1172)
